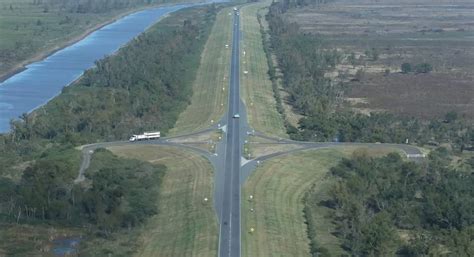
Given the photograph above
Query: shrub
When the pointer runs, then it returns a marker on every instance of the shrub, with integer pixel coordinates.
(406, 68)
(423, 68)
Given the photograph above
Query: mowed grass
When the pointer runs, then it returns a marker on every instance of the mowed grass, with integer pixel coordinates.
(278, 188)
(257, 87)
(186, 225)
(210, 89)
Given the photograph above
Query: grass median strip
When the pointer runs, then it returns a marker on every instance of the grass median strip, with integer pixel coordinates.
(210, 88)
(186, 225)
(256, 84)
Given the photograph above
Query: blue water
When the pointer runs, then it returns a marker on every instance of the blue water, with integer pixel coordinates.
(66, 246)
(43, 80)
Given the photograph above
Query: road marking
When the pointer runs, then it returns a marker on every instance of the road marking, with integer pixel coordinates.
(243, 161)
(224, 128)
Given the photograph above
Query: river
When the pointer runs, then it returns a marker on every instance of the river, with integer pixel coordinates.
(43, 80)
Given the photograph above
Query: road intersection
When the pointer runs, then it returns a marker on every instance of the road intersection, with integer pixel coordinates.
(231, 168)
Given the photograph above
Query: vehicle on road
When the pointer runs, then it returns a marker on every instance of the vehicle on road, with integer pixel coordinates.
(236, 116)
(145, 136)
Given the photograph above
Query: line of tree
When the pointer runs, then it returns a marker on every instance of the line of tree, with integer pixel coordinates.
(389, 207)
(418, 68)
(288, 4)
(143, 87)
(304, 60)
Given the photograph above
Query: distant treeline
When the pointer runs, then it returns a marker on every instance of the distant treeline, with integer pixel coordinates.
(304, 59)
(390, 207)
(288, 4)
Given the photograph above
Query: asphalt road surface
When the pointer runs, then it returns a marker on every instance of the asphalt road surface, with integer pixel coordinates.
(229, 232)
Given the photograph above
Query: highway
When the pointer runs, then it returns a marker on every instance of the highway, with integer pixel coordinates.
(230, 173)
(229, 232)
(226, 161)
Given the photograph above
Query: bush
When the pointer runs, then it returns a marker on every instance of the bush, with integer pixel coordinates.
(423, 68)
(406, 68)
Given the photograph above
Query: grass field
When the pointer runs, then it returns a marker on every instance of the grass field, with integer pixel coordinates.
(278, 188)
(210, 89)
(186, 225)
(440, 33)
(256, 85)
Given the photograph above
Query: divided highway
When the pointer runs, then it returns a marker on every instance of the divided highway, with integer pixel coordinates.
(229, 173)
(229, 233)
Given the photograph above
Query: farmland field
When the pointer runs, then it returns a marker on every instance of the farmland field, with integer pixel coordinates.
(375, 39)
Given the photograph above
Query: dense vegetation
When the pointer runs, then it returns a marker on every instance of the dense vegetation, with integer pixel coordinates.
(304, 60)
(388, 207)
(145, 85)
(122, 193)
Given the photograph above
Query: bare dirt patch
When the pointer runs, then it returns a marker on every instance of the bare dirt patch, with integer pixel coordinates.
(421, 95)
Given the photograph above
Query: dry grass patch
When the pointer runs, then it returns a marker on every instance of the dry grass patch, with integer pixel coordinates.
(440, 33)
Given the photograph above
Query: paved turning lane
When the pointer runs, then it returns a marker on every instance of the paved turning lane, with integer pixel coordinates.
(229, 236)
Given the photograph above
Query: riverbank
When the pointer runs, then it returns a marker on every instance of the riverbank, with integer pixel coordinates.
(43, 54)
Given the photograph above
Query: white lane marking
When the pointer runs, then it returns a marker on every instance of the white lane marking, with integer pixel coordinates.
(224, 128)
(243, 161)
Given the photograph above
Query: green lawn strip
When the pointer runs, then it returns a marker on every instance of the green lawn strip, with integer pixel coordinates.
(210, 88)
(257, 87)
(279, 188)
(186, 225)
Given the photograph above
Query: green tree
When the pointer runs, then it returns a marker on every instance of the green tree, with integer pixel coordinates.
(451, 116)
(378, 236)
(423, 68)
(406, 68)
